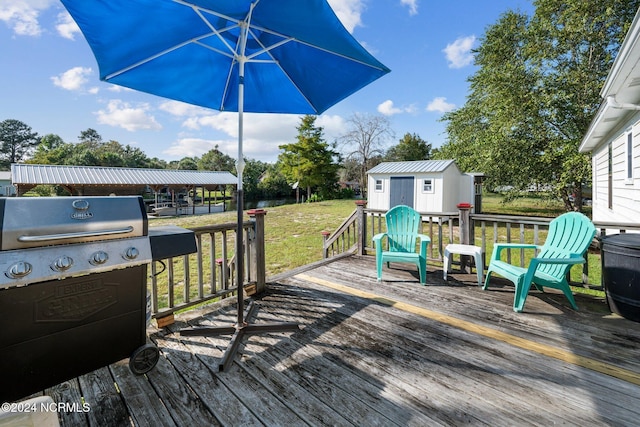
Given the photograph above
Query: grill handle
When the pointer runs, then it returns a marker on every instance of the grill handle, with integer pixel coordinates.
(80, 234)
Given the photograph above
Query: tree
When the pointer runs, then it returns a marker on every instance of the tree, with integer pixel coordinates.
(273, 183)
(90, 136)
(310, 161)
(253, 170)
(364, 141)
(50, 142)
(535, 93)
(411, 147)
(216, 160)
(53, 151)
(17, 141)
(188, 163)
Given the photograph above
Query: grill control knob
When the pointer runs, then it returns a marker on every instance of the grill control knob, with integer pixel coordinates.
(18, 270)
(99, 257)
(62, 264)
(131, 253)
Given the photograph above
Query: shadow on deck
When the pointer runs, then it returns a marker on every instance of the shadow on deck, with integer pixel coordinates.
(389, 353)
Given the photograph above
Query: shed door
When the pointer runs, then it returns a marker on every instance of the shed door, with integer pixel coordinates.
(401, 191)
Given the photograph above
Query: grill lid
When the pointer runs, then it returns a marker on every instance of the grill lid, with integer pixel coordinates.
(29, 222)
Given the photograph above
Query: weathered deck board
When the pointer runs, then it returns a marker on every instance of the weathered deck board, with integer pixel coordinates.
(436, 372)
(99, 392)
(144, 406)
(201, 377)
(410, 355)
(456, 362)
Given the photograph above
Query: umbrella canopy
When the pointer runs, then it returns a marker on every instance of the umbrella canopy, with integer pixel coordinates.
(298, 57)
(261, 56)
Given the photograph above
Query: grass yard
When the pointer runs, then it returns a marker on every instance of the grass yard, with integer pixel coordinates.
(541, 204)
(293, 233)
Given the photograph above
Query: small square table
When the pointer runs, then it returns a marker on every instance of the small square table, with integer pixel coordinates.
(474, 251)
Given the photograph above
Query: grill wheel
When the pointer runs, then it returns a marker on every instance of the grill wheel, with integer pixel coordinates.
(143, 359)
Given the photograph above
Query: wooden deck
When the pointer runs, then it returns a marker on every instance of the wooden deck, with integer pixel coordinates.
(390, 353)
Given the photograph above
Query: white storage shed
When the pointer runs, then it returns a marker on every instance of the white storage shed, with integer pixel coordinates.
(425, 185)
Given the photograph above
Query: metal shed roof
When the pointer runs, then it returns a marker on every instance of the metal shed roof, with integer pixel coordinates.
(28, 174)
(412, 167)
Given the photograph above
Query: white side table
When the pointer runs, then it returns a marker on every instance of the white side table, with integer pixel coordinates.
(474, 251)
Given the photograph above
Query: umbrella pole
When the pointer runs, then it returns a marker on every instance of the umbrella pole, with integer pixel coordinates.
(241, 326)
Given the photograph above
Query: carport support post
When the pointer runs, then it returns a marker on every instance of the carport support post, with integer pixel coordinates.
(257, 248)
(464, 211)
(361, 219)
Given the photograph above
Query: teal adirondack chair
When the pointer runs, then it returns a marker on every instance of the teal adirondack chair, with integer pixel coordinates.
(568, 239)
(403, 225)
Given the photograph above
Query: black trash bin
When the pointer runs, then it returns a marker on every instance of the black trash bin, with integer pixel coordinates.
(621, 274)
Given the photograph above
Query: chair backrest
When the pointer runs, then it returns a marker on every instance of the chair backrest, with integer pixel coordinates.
(403, 226)
(570, 233)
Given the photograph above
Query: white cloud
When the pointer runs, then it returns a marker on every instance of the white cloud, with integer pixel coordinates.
(192, 147)
(412, 5)
(181, 109)
(441, 105)
(66, 26)
(262, 133)
(122, 114)
(349, 12)
(333, 126)
(458, 53)
(73, 79)
(117, 88)
(22, 15)
(387, 108)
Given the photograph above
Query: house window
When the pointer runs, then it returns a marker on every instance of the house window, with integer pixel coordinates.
(629, 155)
(378, 185)
(427, 185)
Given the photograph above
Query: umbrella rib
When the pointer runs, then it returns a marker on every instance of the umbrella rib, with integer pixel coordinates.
(266, 49)
(152, 57)
(275, 61)
(206, 46)
(288, 39)
(217, 32)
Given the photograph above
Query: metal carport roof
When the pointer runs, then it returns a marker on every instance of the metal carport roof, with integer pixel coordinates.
(29, 175)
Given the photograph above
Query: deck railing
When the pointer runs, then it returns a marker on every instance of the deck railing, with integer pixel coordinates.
(209, 274)
(482, 230)
(187, 281)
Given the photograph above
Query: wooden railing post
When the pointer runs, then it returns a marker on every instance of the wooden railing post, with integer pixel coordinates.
(325, 248)
(361, 223)
(257, 248)
(464, 223)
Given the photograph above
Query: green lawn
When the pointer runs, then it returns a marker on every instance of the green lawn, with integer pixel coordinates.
(293, 233)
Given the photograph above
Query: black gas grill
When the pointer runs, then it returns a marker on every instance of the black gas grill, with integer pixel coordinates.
(73, 274)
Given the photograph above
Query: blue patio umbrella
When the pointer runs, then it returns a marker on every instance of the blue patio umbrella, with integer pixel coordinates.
(262, 56)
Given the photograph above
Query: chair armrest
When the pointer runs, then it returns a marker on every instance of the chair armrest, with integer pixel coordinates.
(378, 237)
(377, 241)
(424, 241)
(500, 246)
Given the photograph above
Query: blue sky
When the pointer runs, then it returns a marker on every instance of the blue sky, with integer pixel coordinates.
(49, 80)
